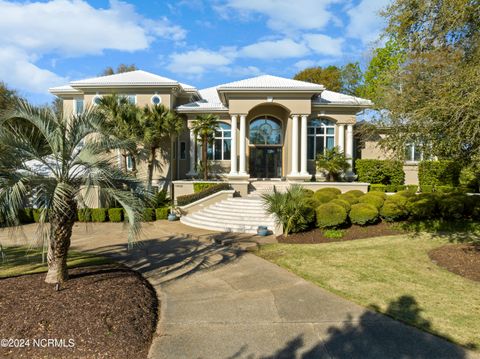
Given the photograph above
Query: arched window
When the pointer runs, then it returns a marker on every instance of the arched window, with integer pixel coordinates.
(265, 131)
(222, 144)
(321, 136)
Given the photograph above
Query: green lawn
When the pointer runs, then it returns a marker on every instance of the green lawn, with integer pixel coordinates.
(395, 276)
(21, 260)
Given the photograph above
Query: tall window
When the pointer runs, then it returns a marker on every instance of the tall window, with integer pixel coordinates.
(265, 131)
(321, 136)
(78, 105)
(413, 152)
(222, 144)
(130, 98)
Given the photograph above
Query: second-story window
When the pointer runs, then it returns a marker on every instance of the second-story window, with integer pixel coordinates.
(413, 152)
(79, 107)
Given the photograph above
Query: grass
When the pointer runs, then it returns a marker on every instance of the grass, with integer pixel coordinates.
(22, 260)
(379, 272)
(333, 233)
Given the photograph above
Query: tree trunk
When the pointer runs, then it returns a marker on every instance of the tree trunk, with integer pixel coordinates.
(61, 224)
(204, 159)
(124, 164)
(150, 167)
(172, 143)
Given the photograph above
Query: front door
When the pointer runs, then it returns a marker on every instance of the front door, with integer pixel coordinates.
(266, 162)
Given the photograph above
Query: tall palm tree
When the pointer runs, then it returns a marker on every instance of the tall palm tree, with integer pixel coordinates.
(58, 164)
(204, 128)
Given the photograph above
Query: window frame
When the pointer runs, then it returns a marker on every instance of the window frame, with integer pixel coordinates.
(75, 102)
(156, 96)
(183, 150)
(317, 133)
(222, 139)
(265, 118)
(414, 148)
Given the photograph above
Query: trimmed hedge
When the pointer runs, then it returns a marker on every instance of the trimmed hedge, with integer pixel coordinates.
(162, 213)
(378, 188)
(25, 216)
(308, 192)
(355, 192)
(332, 190)
(148, 214)
(85, 214)
(451, 207)
(363, 213)
(189, 198)
(375, 201)
(439, 173)
(200, 186)
(380, 171)
(324, 196)
(330, 215)
(349, 198)
(343, 203)
(99, 215)
(426, 188)
(394, 208)
(422, 206)
(115, 214)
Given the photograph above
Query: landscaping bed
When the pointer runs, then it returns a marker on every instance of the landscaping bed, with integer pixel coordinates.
(107, 310)
(461, 259)
(318, 235)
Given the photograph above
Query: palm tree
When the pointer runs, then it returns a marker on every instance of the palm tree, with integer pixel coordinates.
(204, 128)
(334, 162)
(58, 164)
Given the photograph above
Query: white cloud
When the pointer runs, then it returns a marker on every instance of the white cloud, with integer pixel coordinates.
(196, 62)
(284, 48)
(365, 20)
(324, 45)
(303, 64)
(33, 30)
(284, 15)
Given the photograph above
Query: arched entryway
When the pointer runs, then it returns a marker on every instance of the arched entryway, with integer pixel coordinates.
(266, 142)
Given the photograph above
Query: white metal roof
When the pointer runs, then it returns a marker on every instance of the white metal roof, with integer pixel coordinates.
(331, 97)
(66, 89)
(137, 78)
(210, 102)
(270, 82)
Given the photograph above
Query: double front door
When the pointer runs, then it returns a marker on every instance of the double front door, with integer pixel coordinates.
(266, 162)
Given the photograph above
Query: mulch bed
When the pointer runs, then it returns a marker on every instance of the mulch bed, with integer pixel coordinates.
(108, 311)
(461, 259)
(351, 233)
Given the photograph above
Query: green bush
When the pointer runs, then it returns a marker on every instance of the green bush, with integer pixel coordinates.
(115, 214)
(84, 214)
(439, 173)
(343, 203)
(444, 189)
(412, 188)
(400, 187)
(422, 206)
(189, 198)
(200, 186)
(148, 214)
(470, 177)
(381, 195)
(380, 171)
(352, 199)
(308, 192)
(391, 188)
(324, 196)
(378, 187)
(160, 199)
(330, 215)
(363, 213)
(162, 213)
(25, 216)
(371, 199)
(332, 190)
(355, 192)
(36, 215)
(426, 188)
(406, 193)
(451, 207)
(394, 209)
(99, 214)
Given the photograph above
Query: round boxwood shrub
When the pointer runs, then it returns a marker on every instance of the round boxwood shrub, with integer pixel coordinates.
(355, 192)
(372, 199)
(348, 197)
(342, 202)
(308, 192)
(392, 211)
(406, 193)
(324, 196)
(422, 206)
(333, 190)
(381, 195)
(330, 215)
(451, 207)
(363, 213)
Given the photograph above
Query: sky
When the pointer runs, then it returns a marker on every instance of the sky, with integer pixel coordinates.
(202, 43)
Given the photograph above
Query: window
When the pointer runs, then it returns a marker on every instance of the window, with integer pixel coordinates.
(265, 131)
(183, 150)
(321, 136)
(156, 100)
(78, 106)
(129, 163)
(413, 152)
(222, 143)
(96, 100)
(130, 98)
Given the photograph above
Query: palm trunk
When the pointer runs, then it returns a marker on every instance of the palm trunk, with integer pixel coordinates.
(134, 165)
(61, 224)
(124, 160)
(204, 159)
(150, 167)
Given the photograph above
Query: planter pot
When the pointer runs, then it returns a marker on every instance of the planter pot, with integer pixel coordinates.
(172, 217)
(262, 231)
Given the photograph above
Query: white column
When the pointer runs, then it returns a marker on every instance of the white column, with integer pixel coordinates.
(243, 146)
(233, 150)
(303, 146)
(294, 171)
(191, 171)
(349, 144)
(341, 137)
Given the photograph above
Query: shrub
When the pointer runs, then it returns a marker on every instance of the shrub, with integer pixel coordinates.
(200, 186)
(355, 192)
(451, 207)
(412, 188)
(400, 187)
(332, 190)
(426, 188)
(148, 214)
(422, 206)
(371, 199)
(391, 188)
(333, 233)
(189, 198)
(342, 202)
(406, 193)
(160, 199)
(381, 195)
(380, 171)
(378, 188)
(333, 161)
(115, 214)
(308, 192)
(349, 197)
(85, 214)
(439, 173)
(162, 213)
(394, 209)
(444, 189)
(330, 215)
(25, 216)
(324, 196)
(99, 214)
(363, 213)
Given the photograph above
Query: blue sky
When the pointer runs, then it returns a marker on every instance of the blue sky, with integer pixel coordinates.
(202, 43)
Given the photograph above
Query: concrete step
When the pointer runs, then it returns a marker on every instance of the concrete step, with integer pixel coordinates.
(227, 221)
(213, 212)
(192, 222)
